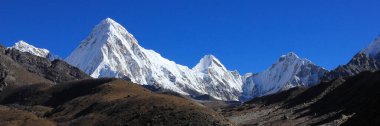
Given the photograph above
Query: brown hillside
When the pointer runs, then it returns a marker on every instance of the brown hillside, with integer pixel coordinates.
(111, 102)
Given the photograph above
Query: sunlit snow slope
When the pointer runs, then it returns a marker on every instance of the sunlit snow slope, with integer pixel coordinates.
(25, 47)
(111, 51)
(289, 71)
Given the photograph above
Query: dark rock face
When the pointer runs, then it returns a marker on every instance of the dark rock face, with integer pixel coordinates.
(359, 63)
(3, 75)
(357, 96)
(19, 68)
(343, 101)
(57, 71)
(12, 74)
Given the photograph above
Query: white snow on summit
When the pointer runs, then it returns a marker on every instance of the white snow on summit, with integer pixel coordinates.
(208, 61)
(289, 71)
(373, 49)
(111, 51)
(220, 76)
(25, 47)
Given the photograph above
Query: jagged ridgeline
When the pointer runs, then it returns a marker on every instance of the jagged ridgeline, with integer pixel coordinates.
(40, 92)
(111, 51)
(367, 59)
(19, 68)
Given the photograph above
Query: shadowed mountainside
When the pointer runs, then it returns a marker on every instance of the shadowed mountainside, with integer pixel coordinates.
(359, 63)
(108, 102)
(19, 68)
(343, 101)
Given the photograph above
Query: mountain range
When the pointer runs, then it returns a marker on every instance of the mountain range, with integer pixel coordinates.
(367, 59)
(35, 91)
(290, 71)
(111, 51)
(109, 79)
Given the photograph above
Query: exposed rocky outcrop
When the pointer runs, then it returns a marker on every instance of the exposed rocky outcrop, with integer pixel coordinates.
(359, 63)
(344, 101)
(3, 75)
(20, 68)
(57, 71)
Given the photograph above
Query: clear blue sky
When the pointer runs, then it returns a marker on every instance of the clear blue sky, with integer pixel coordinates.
(247, 35)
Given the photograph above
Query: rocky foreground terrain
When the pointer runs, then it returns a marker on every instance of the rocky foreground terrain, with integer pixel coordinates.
(344, 101)
(100, 102)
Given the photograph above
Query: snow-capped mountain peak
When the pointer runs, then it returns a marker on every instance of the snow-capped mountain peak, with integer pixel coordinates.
(41, 52)
(25, 47)
(293, 57)
(290, 55)
(108, 46)
(209, 62)
(288, 72)
(108, 20)
(373, 49)
(105, 28)
(111, 51)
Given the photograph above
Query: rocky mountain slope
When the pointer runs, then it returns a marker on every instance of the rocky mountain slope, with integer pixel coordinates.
(101, 102)
(36, 91)
(20, 68)
(343, 101)
(347, 96)
(367, 59)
